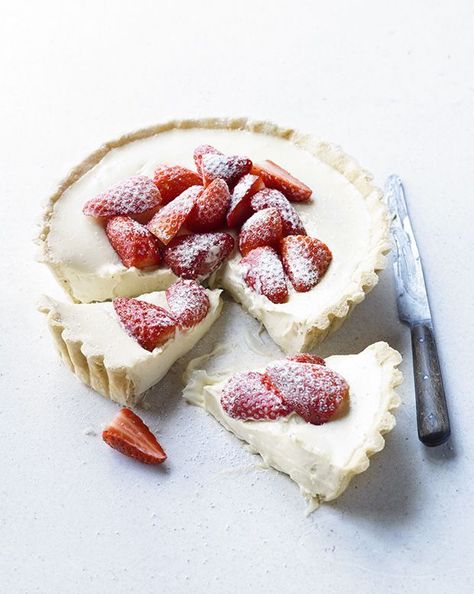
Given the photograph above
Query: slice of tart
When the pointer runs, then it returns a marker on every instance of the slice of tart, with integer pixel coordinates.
(317, 421)
(124, 347)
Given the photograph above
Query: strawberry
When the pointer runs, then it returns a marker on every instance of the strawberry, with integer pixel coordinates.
(307, 358)
(200, 151)
(305, 260)
(188, 302)
(129, 435)
(263, 272)
(263, 228)
(240, 208)
(228, 168)
(292, 224)
(168, 221)
(211, 207)
(278, 178)
(150, 325)
(196, 256)
(136, 196)
(174, 180)
(315, 392)
(134, 244)
(249, 396)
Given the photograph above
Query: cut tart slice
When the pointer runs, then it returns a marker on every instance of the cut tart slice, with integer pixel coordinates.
(102, 342)
(320, 458)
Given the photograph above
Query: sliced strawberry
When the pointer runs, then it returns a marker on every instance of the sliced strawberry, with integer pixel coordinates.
(150, 325)
(249, 396)
(307, 358)
(188, 302)
(315, 392)
(278, 178)
(168, 221)
(136, 196)
(292, 224)
(129, 435)
(263, 272)
(240, 208)
(196, 256)
(305, 260)
(173, 180)
(134, 244)
(200, 151)
(228, 168)
(263, 228)
(211, 207)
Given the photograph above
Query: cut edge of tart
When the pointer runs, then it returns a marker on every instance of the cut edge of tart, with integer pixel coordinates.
(314, 456)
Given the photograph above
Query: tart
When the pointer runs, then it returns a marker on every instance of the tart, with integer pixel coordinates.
(320, 454)
(335, 203)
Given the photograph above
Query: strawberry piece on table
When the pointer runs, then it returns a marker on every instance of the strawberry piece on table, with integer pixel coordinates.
(150, 325)
(315, 392)
(262, 228)
(240, 208)
(278, 178)
(188, 302)
(249, 396)
(305, 260)
(307, 358)
(292, 224)
(129, 435)
(134, 244)
(263, 272)
(136, 196)
(168, 221)
(211, 207)
(196, 256)
(173, 180)
(200, 151)
(228, 168)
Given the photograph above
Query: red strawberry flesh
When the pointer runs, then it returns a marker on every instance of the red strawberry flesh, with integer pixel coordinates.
(174, 180)
(307, 358)
(228, 168)
(200, 151)
(168, 221)
(263, 272)
(262, 228)
(240, 208)
(188, 302)
(305, 260)
(278, 178)
(134, 244)
(266, 198)
(211, 207)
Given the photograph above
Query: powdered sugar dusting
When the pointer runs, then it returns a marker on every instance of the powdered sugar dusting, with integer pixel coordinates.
(188, 302)
(292, 224)
(262, 228)
(262, 270)
(305, 260)
(214, 165)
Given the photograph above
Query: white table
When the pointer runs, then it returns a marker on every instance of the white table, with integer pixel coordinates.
(392, 83)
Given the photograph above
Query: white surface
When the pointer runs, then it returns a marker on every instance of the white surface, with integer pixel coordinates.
(392, 83)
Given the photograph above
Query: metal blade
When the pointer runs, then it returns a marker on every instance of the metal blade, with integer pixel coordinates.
(412, 298)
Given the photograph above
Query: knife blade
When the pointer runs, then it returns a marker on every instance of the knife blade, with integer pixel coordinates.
(414, 310)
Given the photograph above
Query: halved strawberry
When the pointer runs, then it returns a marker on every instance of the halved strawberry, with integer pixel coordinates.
(305, 260)
(200, 151)
(263, 228)
(173, 180)
(211, 206)
(278, 178)
(134, 244)
(266, 198)
(249, 396)
(150, 325)
(136, 196)
(307, 358)
(168, 221)
(188, 302)
(315, 392)
(196, 256)
(263, 272)
(129, 435)
(228, 168)
(240, 208)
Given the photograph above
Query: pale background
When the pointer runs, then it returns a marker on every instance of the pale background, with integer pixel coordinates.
(392, 82)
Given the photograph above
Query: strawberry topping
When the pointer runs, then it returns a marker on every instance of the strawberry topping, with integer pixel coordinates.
(129, 435)
(278, 178)
(249, 396)
(188, 302)
(168, 221)
(307, 358)
(211, 207)
(263, 272)
(174, 180)
(136, 196)
(134, 244)
(292, 224)
(150, 325)
(263, 228)
(196, 256)
(305, 260)
(228, 168)
(240, 208)
(315, 392)
(200, 151)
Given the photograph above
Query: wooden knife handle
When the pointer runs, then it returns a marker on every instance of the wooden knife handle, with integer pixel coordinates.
(431, 408)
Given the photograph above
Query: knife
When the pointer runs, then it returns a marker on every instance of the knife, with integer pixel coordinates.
(414, 310)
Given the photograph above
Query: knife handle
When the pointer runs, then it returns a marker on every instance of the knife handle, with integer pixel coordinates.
(431, 409)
